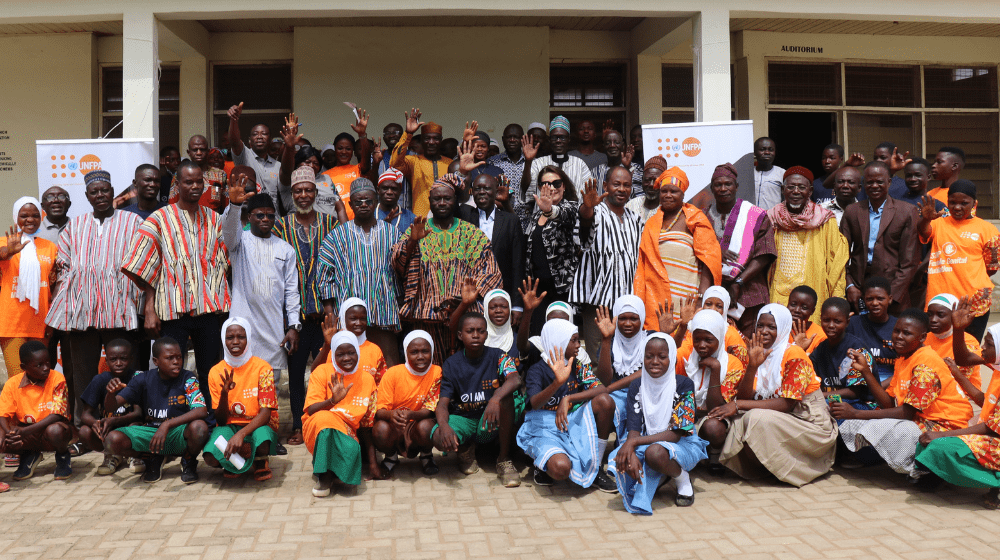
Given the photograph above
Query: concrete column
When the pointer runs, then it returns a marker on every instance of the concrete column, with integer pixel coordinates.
(140, 69)
(649, 77)
(712, 100)
(194, 99)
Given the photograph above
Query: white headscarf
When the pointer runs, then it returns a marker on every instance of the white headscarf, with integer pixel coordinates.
(406, 344)
(656, 394)
(554, 306)
(555, 336)
(501, 337)
(720, 293)
(769, 373)
(29, 274)
(340, 339)
(628, 352)
(236, 361)
(709, 321)
(949, 302)
(995, 331)
(351, 302)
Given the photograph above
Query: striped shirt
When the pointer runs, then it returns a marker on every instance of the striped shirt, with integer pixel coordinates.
(93, 292)
(601, 174)
(306, 243)
(185, 260)
(353, 263)
(610, 256)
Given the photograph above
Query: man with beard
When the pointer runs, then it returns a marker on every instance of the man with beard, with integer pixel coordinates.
(575, 168)
(421, 170)
(305, 229)
(213, 194)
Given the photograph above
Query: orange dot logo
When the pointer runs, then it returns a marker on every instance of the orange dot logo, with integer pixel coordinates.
(89, 163)
(691, 147)
(950, 249)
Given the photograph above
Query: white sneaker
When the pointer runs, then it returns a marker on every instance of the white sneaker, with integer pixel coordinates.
(136, 465)
(322, 484)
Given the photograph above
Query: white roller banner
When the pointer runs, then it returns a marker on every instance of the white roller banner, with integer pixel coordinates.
(698, 147)
(63, 163)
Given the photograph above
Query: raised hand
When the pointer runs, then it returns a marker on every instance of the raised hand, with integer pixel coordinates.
(418, 230)
(466, 159)
(605, 323)
(235, 112)
(337, 389)
(609, 126)
(528, 147)
(361, 126)
(799, 334)
(543, 200)
(898, 162)
(470, 291)
(330, 327)
(14, 241)
(290, 132)
(627, 155)
(665, 317)
(227, 380)
(927, 209)
(413, 122)
(238, 190)
(377, 154)
(757, 352)
(689, 307)
(590, 197)
(529, 294)
(560, 366)
(470, 131)
(855, 160)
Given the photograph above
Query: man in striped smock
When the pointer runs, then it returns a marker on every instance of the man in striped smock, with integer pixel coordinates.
(609, 236)
(178, 259)
(95, 303)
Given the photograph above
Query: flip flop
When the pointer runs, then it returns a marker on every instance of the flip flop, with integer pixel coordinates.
(390, 463)
(263, 471)
(991, 500)
(4, 487)
(295, 438)
(231, 475)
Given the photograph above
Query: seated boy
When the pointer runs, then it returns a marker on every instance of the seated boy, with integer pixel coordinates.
(174, 411)
(802, 303)
(97, 422)
(834, 357)
(33, 414)
(477, 401)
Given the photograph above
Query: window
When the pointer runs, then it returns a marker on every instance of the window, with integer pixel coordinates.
(678, 93)
(112, 103)
(803, 84)
(589, 92)
(960, 87)
(875, 85)
(265, 91)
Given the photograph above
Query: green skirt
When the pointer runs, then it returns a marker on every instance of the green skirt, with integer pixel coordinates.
(951, 459)
(263, 434)
(338, 453)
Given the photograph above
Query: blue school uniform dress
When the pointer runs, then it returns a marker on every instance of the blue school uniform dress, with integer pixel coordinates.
(637, 496)
(621, 395)
(541, 439)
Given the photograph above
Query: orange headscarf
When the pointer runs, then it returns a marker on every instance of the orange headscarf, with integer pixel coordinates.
(674, 176)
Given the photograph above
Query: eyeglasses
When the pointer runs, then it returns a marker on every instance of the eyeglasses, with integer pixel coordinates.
(363, 202)
(55, 197)
(263, 216)
(557, 184)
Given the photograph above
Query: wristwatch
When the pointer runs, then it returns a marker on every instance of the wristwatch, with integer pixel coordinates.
(297, 327)
(738, 281)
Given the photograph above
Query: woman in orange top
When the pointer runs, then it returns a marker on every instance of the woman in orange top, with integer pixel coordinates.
(26, 278)
(941, 340)
(963, 252)
(967, 358)
(354, 318)
(246, 406)
(779, 419)
(922, 397)
(343, 173)
(715, 299)
(679, 254)
(340, 401)
(407, 397)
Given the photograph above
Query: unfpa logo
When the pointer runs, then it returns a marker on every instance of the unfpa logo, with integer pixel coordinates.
(674, 147)
(68, 165)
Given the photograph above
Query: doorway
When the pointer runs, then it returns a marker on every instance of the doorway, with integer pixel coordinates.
(800, 137)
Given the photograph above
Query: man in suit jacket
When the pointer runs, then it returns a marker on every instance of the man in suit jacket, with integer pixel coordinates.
(505, 234)
(882, 236)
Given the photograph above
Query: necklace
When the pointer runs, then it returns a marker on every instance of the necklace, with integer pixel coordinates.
(677, 217)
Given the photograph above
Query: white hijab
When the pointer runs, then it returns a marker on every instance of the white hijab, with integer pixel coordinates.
(949, 302)
(351, 302)
(29, 275)
(554, 306)
(769, 373)
(656, 394)
(628, 352)
(709, 321)
(720, 293)
(340, 339)
(406, 344)
(556, 335)
(995, 331)
(236, 361)
(501, 337)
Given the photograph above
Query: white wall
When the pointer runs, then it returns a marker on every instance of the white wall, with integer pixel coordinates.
(494, 75)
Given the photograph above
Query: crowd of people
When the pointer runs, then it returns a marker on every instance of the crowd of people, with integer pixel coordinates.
(441, 293)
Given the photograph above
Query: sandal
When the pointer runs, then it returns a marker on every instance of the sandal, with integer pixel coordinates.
(295, 438)
(77, 449)
(231, 475)
(4, 487)
(262, 471)
(390, 462)
(427, 464)
(991, 500)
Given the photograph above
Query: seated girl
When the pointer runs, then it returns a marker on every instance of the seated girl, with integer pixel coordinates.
(710, 368)
(966, 358)
(407, 397)
(717, 299)
(922, 397)
(833, 358)
(340, 401)
(496, 308)
(970, 457)
(941, 340)
(780, 424)
(246, 406)
(354, 318)
(660, 443)
(566, 431)
(620, 358)
(530, 348)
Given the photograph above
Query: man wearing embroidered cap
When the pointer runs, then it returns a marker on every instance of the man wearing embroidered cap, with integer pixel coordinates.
(810, 247)
(391, 185)
(574, 168)
(421, 170)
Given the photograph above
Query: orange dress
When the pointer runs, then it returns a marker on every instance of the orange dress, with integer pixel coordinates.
(356, 410)
(400, 389)
(254, 390)
(945, 349)
(371, 360)
(20, 320)
(962, 259)
(924, 382)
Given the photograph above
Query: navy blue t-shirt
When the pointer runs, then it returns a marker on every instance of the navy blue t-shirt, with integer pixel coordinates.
(160, 400)
(682, 417)
(95, 392)
(471, 384)
(877, 339)
(540, 376)
(134, 208)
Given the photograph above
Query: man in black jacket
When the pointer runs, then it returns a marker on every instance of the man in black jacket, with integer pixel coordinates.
(505, 234)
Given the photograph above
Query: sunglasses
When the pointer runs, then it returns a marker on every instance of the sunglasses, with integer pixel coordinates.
(557, 184)
(263, 216)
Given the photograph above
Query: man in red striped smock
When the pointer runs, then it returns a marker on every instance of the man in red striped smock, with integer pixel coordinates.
(95, 303)
(178, 258)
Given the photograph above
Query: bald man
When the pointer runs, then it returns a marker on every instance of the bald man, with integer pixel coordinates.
(846, 186)
(55, 202)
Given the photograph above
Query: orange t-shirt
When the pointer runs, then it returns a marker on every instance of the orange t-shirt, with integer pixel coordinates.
(370, 361)
(356, 410)
(957, 259)
(798, 378)
(254, 391)
(20, 319)
(943, 347)
(400, 389)
(939, 193)
(813, 330)
(730, 378)
(924, 382)
(735, 345)
(28, 403)
(991, 397)
(342, 176)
